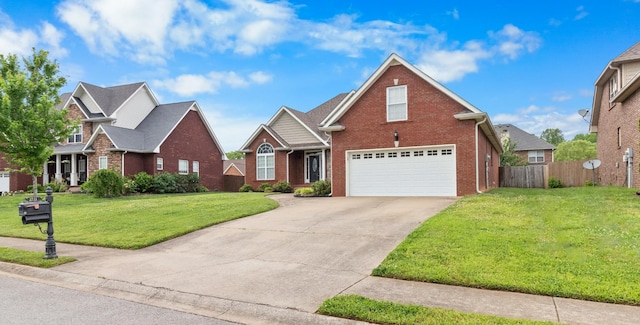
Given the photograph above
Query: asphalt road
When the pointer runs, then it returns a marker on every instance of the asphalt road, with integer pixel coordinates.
(25, 302)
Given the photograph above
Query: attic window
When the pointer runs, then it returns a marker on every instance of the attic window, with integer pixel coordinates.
(613, 86)
(397, 103)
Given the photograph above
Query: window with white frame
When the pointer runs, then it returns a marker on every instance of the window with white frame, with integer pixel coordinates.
(613, 86)
(536, 156)
(76, 137)
(195, 167)
(103, 162)
(265, 162)
(159, 163)
(183, 167)
(397, 103)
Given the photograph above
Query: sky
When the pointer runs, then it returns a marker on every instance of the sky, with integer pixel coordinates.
(532, 64)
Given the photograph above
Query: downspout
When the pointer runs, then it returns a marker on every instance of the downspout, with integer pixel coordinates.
(618, 76)
(122, 163)
(477, 153)
(288, 153)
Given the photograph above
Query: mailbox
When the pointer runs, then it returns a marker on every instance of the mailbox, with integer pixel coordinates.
(35, 212)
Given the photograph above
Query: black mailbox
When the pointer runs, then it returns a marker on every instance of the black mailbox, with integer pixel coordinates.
(35, 212)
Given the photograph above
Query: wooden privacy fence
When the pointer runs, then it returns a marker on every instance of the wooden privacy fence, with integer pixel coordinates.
(523, 176)
(232, 183)
(569, 173)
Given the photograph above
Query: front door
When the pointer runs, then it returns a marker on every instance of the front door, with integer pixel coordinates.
(313, 168)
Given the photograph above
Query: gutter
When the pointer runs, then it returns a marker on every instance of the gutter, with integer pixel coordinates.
(122, 163)
(477, 154)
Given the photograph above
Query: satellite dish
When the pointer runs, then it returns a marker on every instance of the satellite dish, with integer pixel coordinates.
(591, 164)
(583, 112)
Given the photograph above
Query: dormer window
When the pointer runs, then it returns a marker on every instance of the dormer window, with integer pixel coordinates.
(397, 103)
(613, 86)
(76, 137)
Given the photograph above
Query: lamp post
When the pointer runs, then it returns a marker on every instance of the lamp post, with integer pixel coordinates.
(50, 244)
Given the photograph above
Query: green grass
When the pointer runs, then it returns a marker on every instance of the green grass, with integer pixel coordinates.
(581, 243)
(132, 222)
(382, 312)
(19, 256)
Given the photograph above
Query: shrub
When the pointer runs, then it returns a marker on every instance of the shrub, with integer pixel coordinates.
(105, 183)
(304, 191)
(554, 183)
(142, 182)
(283, 187)
(265, 187)
(245, 188)
(201, 189)
(41, 188)
(165, 183)
(321, 188)
(589, 183)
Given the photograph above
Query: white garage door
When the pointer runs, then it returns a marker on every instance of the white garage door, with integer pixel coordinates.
(4, 182)
(415, 171)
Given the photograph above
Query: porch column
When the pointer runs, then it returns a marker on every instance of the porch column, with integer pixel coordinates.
(45, 174)
(58, 169)
(323, 168)
(74, 172)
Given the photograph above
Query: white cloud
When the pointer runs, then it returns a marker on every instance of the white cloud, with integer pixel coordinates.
(454, 13)
(535, 120)
(232, 130)
(21, 41)
(188, 85)
(137, 28)
(561, 97)
(452, 65)
(512, 41)
(581, 13)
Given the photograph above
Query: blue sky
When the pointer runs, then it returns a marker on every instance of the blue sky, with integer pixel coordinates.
(532, 64)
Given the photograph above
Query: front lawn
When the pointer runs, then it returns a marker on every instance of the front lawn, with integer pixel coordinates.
(383, 312)
(132, 222)
(581, 243)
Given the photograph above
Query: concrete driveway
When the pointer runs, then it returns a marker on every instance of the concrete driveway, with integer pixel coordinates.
(295, 256)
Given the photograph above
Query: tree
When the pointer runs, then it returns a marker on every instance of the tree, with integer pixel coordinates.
(591, 137)
(235, 155)
(30, 124)
(575, 150)
(509, 157)
(553, 136)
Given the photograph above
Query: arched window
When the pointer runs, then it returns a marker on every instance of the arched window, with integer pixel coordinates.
(266, 162)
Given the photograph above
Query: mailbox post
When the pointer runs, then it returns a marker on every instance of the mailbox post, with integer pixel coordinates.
(50, 244)
(40, 212)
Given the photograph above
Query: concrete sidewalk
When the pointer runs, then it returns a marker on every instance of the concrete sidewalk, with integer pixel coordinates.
(278, 267)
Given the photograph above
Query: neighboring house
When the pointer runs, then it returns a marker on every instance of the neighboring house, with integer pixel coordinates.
(400, 134)
(615, 116)
(126, 129)
(531, 148)
(233, 167)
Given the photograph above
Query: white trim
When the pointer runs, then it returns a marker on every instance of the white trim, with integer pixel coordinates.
(255, 135)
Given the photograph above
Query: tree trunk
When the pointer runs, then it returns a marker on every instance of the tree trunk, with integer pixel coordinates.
(35, 187)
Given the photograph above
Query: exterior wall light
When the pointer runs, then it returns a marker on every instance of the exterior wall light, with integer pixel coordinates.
(396, 138)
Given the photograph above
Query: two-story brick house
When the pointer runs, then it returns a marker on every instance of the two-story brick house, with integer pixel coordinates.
(615, 116)
(126, 129)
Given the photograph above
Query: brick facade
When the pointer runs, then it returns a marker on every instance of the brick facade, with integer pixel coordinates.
(430, 122)
(626, 117)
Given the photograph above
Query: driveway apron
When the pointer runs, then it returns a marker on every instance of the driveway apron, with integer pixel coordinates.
(296, 256)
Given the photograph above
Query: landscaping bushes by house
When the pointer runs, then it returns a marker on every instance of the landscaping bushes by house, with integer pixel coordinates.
(109, 183)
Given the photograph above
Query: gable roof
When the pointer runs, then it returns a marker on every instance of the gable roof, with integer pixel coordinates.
(629, 55)
(392, 60)
(524, 141)
(309, 121)
(238, 164)
(111, 98)
(149, 135)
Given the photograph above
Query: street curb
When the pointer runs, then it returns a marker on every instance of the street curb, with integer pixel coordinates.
(220, 308)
